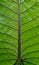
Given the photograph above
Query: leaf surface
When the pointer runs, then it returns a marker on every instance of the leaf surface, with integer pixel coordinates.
(29, 32)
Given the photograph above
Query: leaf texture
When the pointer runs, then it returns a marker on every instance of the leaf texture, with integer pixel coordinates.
(29, 32)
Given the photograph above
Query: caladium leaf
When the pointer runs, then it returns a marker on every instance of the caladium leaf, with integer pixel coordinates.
(19, 32)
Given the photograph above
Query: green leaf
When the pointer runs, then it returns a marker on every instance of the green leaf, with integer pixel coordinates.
(19, 32)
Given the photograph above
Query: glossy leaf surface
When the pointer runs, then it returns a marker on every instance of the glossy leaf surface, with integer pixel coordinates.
(29, 32)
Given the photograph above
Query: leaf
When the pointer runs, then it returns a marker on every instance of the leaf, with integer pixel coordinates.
(19, 32)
